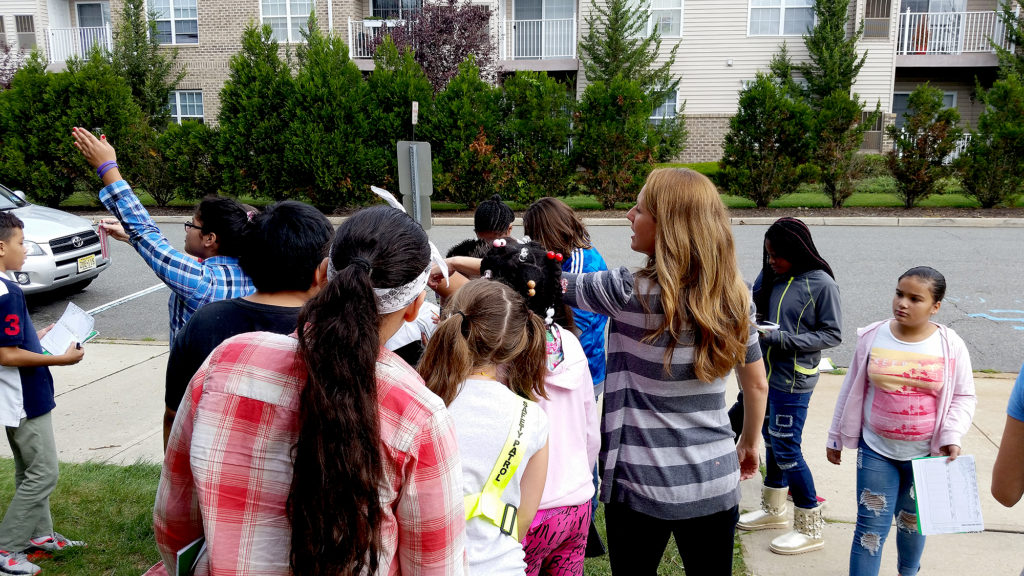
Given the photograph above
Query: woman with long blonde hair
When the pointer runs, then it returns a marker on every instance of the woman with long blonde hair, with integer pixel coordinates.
(677, 328)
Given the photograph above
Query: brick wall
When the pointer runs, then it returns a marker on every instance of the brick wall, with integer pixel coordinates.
(704, 143)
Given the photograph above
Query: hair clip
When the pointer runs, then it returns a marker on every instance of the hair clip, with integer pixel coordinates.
(565, 285)
(499, 243)
(551, 255)
(524, 254)
(549, 317)
(526, 240)
(558, 257)
(249, 215)
(531, 285)
(487, 274)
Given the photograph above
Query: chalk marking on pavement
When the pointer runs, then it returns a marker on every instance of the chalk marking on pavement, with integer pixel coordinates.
(123, 299)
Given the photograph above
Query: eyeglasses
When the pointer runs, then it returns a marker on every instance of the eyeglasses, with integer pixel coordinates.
(190, 224)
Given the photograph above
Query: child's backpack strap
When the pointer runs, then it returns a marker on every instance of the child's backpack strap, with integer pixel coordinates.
(487, 503)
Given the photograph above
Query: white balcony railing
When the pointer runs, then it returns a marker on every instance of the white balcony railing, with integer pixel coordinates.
(950, 32)
(63, 43)
(363, 35)
(538, 39)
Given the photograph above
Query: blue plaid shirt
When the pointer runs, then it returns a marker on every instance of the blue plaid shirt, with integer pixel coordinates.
(192, 283)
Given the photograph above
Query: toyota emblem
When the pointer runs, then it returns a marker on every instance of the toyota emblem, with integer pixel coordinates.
(77, 242)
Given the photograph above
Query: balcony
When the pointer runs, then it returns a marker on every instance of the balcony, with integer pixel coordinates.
(364, 35)
(538, 40)
(949, 39)
(64, 43)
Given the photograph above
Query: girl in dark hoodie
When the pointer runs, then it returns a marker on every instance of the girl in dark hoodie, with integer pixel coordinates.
(798, 310)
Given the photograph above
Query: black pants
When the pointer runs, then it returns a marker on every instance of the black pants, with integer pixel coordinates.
(636, 542)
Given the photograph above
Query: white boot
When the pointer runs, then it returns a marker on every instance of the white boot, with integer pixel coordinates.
(806, 535)
(772, 513)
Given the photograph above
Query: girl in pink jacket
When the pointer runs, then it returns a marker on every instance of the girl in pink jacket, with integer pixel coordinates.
(557, 537)
(909, 393)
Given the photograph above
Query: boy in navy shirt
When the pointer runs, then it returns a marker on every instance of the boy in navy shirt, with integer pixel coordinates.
(26, 399)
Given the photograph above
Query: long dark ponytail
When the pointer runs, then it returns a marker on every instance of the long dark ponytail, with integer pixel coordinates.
(333, 505)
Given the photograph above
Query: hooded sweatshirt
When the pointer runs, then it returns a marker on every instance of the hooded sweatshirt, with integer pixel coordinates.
(574, 436)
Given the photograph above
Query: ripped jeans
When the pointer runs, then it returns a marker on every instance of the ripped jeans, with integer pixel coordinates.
(885, 489)
(784, 459)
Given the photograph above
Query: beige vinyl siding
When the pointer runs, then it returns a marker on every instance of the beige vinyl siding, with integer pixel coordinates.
(875, 81)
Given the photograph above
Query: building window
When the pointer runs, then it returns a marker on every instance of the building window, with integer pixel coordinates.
(666, 15)
(395, 9)
(900, 107)
(25, 26)
(3, 34)
(177, 21)
(877, 18)
(287, 18)
(186, 105)
(667, 109)
(780, 17)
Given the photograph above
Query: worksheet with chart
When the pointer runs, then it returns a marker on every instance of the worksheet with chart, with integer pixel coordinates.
(947, 496)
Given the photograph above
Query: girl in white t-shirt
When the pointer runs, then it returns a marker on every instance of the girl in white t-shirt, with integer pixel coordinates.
(487, 361)
(909, 393)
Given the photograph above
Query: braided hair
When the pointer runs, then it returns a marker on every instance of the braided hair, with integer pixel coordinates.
(518, 264)
(493, 217)
(791, 240)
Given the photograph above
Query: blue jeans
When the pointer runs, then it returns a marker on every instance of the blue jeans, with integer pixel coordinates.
(782, 431)
(884, 490)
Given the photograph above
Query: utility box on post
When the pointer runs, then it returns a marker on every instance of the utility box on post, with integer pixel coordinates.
(415, 179)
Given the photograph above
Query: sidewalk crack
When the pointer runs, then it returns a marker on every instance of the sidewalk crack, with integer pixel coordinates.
(105, 376)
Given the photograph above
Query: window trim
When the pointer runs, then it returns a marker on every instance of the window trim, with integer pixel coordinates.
(675, 107)
(170, 18)
(782, 20)
(3, 32)
(34, 32)
(288, 21)
(892, 101)
(646, 5)
(176, 115)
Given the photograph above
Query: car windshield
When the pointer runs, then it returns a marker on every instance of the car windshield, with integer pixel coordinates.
(8, 200)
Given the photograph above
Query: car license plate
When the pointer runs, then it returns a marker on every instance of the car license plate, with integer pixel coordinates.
(86, 263)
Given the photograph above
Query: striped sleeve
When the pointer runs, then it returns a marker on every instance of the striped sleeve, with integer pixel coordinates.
(606, 292)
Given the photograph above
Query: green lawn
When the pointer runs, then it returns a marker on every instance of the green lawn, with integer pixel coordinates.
(110, 507)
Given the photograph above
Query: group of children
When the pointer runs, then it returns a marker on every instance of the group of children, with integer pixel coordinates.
(298, 442)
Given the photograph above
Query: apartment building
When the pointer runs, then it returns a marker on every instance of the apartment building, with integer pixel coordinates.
(723, 44)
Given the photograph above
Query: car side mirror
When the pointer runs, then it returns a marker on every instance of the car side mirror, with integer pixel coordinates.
(20, 194)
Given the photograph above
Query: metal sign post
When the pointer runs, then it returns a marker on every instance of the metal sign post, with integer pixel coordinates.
(415, 179)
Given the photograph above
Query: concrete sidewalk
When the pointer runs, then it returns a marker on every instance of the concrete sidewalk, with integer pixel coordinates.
(110, 409)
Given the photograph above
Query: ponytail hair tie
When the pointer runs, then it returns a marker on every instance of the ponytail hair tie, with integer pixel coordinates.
(465, 323)
(362, 263)
(249, 215)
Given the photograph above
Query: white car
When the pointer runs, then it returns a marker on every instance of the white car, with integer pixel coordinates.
(63, 249)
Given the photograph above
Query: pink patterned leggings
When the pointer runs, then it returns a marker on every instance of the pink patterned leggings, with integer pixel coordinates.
(556, 541)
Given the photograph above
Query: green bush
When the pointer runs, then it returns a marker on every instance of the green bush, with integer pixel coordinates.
(463, 113)
(36, 117)
(254, 118)
(326, 154)
(838, 131)
(874, 166)
(766, 143)
(921, 146)
(611, 147)
(992, 168)
(189, 152)
(536, 122)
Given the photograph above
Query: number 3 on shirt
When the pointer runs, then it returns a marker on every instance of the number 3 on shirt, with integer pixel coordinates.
(13, 325)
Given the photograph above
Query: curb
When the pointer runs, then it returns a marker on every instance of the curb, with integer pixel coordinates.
(887, 221)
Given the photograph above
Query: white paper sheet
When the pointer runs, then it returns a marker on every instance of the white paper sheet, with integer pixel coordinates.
(74, 326)
(947, 496)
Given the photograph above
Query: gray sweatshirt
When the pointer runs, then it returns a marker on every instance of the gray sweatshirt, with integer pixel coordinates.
(806, 308)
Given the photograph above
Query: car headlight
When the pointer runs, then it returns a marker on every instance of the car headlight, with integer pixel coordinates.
(33, 249)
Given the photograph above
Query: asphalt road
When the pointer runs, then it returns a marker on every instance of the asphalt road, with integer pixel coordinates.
(983, 268)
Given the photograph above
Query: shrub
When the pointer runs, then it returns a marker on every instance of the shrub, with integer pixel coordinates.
(189, 151)
(874, 166)
(838, 132)
(921, 146)
(536, 113)
(36, 117)
(992, 168)
(766, 143)
(611, 146)
(465, 112)
(254, 118)
(326, 154)
(477, 173)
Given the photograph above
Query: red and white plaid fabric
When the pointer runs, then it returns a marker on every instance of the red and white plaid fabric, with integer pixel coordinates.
(228, 466)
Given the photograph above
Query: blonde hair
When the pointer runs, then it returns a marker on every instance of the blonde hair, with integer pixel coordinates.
(487, 323)
(694, 264)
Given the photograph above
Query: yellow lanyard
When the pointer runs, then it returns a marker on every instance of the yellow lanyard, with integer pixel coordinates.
(487, 503)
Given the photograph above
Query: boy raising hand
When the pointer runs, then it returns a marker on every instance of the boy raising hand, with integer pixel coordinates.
(26, 399)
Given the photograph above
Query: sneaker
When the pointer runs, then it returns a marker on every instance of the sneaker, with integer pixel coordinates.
(54, 542)
(789, 496)
(17, 563)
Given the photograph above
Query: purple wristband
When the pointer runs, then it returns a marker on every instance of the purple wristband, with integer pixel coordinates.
(106, 167)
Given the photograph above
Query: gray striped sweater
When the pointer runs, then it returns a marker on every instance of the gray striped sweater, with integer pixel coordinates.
(666, 446)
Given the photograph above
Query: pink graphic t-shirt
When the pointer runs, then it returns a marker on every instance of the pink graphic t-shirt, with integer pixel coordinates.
(905, 381)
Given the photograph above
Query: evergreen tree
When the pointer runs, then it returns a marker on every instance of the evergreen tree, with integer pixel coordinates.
(834, 63)
(920, 148)
(254, 118)
(1011, 61)
(782, 69)
(992, 167)
(139, 59)
(766, 143)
